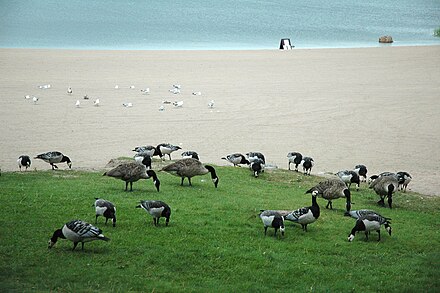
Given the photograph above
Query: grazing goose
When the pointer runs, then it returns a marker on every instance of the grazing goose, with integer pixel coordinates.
(369, 223)
(349, 177)
(77, 231)
(294, 158)
(165, 149)
(24, 161)
(332, 189)
(190, 154)
(361, 170)
(105, 208)
(143, 160)
(253, 156)
(156, 209)
(384, 185)
(147, 150)
(236, 159)
(257, 166)
(189, 168)
(132, 172)
(54, 158)
(272, 219)
(307, 164)
(305, 215)
(404, 179)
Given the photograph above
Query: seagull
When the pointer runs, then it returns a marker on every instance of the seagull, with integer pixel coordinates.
(27, 97)
(211, 104)
(177, 86)
(178, 104)
(175, 91)
(96, 103)
(35, 100)
(77, 103)
(45, 86)
(127, 105)
(86, 97)
(69, 90)
(116, 86)
(197, 93)
(161, 108)
(146, 91)
(132, 86)
(166, 102)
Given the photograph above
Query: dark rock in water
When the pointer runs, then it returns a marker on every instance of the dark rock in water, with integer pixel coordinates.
(385, 39)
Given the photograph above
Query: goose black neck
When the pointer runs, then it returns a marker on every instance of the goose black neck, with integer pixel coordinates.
(212, 171)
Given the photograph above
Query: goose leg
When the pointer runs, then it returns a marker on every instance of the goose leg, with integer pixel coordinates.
(106, 220)
(366, 236)
(189, 180)
(96, 219)
(74, 245)
(265, 230)
(181, 182)
(131, 186)
(378, 233)
(390, 200)
(126, 185)
(381, 202)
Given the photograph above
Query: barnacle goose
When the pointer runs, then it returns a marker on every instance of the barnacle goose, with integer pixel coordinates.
(305, 215)
(236, 159)
(190, 154)
(294, 158)
(24, 161)
(404, 179)
(349, 177)
(361, 170)
(165, 149)
(272, 219)
(53, 158)
(77, 231)
(370, 222)
(307, 164)
(156, 209)
(106, 209)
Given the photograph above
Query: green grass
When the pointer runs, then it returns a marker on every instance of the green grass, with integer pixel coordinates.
(215, 241)
(437, 32)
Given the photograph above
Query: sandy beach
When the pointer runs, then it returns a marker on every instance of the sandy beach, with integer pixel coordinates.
(374, 106)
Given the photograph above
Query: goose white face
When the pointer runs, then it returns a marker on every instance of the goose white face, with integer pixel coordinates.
(350, 238)
(388, 230)
(50, 244)
(315, 193)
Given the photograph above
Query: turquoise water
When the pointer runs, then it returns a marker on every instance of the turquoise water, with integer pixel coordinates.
(222, 24)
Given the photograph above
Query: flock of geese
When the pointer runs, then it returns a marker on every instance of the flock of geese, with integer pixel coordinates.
(189, 166)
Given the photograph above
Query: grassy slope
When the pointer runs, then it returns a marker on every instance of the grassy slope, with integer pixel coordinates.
(215, 241)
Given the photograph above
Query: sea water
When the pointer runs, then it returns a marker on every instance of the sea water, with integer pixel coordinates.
(218, 25)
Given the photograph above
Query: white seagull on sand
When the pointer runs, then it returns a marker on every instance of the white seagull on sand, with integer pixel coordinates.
(146, 91)
(211, 104)
(197, 93)
(27, 97)
(77, 104)
(96, 103)
(178, 104)
(69, 90)
(35, 100)
(127, 105)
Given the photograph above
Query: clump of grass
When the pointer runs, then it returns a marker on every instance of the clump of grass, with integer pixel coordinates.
(437, 32)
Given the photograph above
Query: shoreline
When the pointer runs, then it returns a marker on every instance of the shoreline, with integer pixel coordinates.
(342, 106)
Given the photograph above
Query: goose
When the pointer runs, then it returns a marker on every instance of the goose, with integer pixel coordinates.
(252, 156)
(53, 158)
(77, 104)
(349, 177)
(272, 219)
(189, 168)
(143, 160)
(96, 103)
(105, 208)
(132, 172)
(156, 209)
(305, 215)
(356, 214)
(236, 159)
(69, 90)
(24, 161)
(77, 231)
(307, 164)
(361, 170)
(384, 185)
(294, 158)
(35, 100)
(165, 149)
(369, 223)
(190, 154)
(257, 167)
(147, 150)
(404, 179)
(86, 97)
(332, 189)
